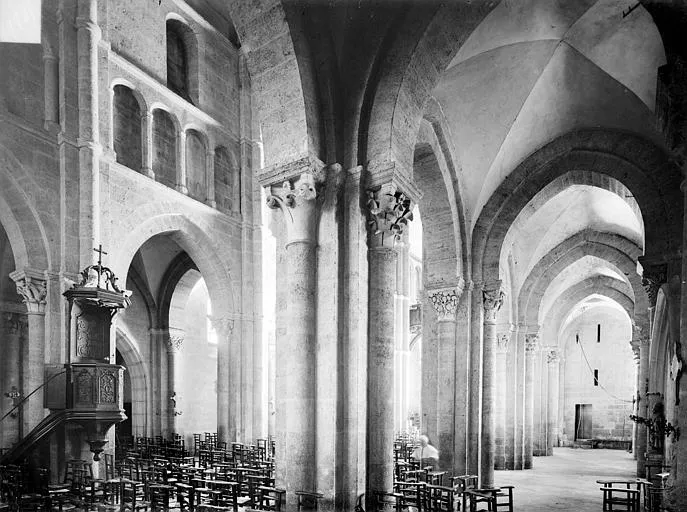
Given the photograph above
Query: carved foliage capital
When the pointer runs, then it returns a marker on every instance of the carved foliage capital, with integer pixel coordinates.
(31, 285)
(553, 356)
(389, 212)
(175, 340)
(445, 303)
(652, 279)
(492, 300)
(223, 326)
(531, 343)
(297, 199)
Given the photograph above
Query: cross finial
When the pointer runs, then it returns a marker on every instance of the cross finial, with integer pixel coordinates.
(100, 252)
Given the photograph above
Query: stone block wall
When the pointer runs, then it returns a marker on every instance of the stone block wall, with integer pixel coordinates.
(611, 400)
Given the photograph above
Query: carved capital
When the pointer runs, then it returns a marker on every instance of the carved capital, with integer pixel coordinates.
(223, 326)
(445, 303)
(531, 343)
(652, 279)
(389, 210)
(175, 340)
(552, 356)
(492, 300)
(31, 285)
(298, 201)
(502, 341)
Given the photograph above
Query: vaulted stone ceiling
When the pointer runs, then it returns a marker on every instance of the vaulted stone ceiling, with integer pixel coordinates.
(578, 207)
(536, 69)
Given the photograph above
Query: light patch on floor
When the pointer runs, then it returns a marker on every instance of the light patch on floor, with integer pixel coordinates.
(566, 481)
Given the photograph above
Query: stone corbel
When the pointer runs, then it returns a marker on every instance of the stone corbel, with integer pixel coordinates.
(31, 285)
(492, 300)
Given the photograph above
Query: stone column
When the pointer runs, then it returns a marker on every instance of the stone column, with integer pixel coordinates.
(210, 177)
(51, 87)
(462, 380)
(181, 163)
(643, 404)
(389, 211)
(502, 341)
(296, 352)
(31, 285)
(552, 427)
(147, 144)
(228, 391)
(88, 36)
(492, 299)
(174, 342)
(531, 348)
(445, 303)
(635, 355)
(13, 330)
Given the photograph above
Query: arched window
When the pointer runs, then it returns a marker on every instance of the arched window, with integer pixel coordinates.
(227, 181)
(164, 148)
(195, 166)
(179, 58)
(127, 128)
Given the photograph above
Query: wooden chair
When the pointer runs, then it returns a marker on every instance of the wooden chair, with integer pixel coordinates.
(479, 501)
(411, 494)
(130, 497)
(271, 498)
(439, 498)
(308, 500)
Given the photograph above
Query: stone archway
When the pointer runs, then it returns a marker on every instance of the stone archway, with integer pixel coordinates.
(141, 403)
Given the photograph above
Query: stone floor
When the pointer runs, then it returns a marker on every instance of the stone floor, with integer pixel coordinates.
(567, 480)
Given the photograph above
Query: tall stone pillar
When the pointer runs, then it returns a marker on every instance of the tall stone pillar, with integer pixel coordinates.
(51, 87)
(13, 330)
(643, 404)
(461, 383)
(174, 342)
(31, 285)
(552, 427)
(445, 304)
(474, 349)
(502, 339)
(228, 360)
(653, 277)
(296, 352)
(635, 356)
(389, 211)
(88, 36)
(531, 348)
(492, 299)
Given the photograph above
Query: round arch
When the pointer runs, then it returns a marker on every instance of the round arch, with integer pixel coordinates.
(19, 217)
(197, 244)
(284, 89)
(600, 285)
(615, 249)
(638, 164)
(141, 401)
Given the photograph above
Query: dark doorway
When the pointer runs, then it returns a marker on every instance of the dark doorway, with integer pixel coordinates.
(583, 421)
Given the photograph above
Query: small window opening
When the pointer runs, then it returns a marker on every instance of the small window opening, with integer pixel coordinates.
(577, 338)
(596, 377)
(598, 333)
